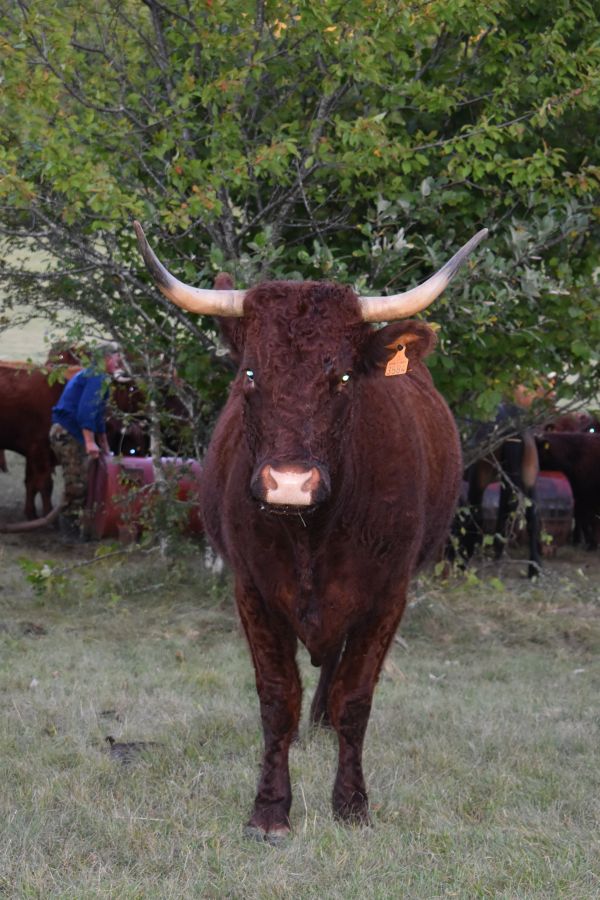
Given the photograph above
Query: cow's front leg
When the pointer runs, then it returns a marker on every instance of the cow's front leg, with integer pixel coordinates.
(350, 700)
(273, 648)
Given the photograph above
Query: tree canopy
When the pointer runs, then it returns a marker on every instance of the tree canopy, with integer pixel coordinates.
(361, 141)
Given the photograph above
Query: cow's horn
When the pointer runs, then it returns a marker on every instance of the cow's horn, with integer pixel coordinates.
(400, 306)
(196, 300)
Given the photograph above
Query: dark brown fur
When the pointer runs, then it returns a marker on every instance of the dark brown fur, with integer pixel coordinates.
(577, 455)
(580, 421)
(335, 578)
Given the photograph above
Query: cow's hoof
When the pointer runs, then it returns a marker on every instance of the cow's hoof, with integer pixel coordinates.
(276, 836)
(354, 818)
(352, 812)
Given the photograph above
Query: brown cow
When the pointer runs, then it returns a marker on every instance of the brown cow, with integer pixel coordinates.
(26, 401)
(326, 484)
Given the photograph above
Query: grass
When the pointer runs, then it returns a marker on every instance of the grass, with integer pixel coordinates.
(481, 756)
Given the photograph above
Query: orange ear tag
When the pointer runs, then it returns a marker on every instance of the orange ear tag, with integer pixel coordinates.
(398, 364)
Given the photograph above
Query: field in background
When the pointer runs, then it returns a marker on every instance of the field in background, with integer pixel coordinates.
(31, 340)
(481, 757)
(24, 341)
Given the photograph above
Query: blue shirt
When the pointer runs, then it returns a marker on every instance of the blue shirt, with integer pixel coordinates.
(82, 404)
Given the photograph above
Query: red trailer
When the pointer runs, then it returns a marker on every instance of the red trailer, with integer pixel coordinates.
(121, 492)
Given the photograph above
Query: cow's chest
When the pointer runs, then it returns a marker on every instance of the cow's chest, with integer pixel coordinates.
(322, 585)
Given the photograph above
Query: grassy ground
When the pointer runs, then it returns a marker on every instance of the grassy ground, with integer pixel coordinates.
(481, 756)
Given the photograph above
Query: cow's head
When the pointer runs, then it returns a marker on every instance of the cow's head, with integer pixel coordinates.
(303, 350)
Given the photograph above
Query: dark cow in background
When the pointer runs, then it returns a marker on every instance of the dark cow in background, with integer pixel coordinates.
(514, 463)
(130, 419)
(126, 424)
(332, 475)
(577, 455)
(579, 421)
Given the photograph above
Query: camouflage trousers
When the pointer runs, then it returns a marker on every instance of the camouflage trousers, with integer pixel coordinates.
(71, 455)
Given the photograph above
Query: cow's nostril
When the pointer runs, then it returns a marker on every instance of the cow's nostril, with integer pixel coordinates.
(268, 480)
(312, 482)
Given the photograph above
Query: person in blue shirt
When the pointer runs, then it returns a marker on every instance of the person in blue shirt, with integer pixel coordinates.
(78, 431)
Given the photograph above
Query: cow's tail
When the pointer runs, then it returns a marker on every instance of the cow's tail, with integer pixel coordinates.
(33, 524)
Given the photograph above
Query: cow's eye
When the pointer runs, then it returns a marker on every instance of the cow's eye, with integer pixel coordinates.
(345, 378)
(250, 375)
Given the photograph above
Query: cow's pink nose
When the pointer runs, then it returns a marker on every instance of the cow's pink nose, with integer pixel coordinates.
(290, 486)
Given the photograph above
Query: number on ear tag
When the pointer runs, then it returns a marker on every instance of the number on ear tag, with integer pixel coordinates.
(398, 364)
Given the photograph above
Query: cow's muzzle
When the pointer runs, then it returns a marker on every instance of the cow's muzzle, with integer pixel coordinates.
(288, 487)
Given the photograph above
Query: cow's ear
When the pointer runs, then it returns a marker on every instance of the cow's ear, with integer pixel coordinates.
(398, 346)
(233, 331)
(232, 328)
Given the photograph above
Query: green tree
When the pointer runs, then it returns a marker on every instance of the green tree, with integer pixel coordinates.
(361, 140)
